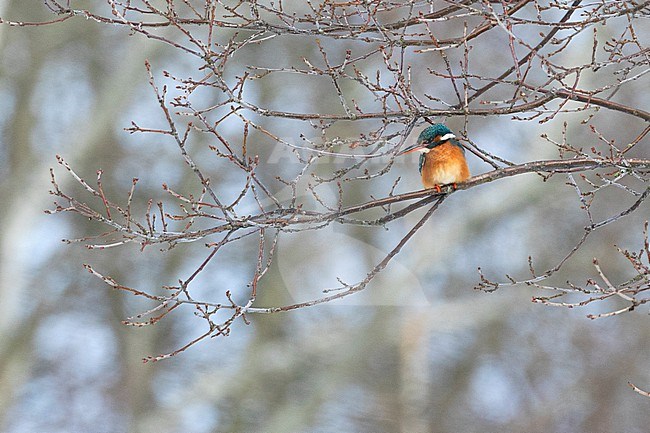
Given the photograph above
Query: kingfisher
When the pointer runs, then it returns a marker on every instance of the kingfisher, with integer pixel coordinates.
(442, 160)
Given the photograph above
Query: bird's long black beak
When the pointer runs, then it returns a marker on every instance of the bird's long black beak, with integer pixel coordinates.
(410, 149)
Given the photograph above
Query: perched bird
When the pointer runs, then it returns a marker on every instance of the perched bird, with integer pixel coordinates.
(442, 160)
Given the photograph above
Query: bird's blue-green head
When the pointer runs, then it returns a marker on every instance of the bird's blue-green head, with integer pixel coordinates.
(431, 137)
(429, 134)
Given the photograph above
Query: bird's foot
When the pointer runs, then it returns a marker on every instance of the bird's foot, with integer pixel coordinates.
(438, 188)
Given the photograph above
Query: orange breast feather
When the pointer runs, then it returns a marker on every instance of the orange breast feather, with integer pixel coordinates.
(444, 164)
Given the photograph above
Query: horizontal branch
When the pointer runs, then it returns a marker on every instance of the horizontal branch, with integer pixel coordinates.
(282, 218)
(575, 95)
(549, 95)
(545, 166)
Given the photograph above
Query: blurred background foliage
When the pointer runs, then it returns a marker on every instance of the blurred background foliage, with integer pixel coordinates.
(419, 350)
